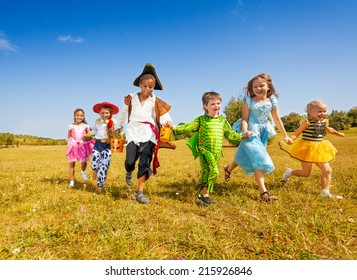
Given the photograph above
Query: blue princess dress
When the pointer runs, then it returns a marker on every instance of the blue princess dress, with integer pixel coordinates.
(251, 153)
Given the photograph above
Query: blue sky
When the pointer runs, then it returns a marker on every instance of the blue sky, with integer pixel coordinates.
(56, 56)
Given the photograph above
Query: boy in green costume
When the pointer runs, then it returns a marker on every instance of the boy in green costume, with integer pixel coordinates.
(207, 144)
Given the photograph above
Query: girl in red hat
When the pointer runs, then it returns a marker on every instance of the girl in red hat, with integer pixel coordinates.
(103, 130)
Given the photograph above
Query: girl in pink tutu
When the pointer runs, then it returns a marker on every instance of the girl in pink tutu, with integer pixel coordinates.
(77, 148)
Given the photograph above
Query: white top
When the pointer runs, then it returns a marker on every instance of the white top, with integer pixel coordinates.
(136, 130)
(100, 128)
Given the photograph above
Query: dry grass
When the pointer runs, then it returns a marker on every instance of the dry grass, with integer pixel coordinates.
(43, 219)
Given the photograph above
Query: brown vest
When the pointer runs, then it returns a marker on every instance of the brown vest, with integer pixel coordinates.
(161, 108)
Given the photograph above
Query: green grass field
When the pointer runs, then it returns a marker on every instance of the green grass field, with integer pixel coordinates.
(43, 219)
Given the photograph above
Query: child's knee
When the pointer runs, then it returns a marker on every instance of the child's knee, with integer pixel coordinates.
(327, 171)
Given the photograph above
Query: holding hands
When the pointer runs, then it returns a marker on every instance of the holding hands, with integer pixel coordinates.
(247, 134)
(288, 140)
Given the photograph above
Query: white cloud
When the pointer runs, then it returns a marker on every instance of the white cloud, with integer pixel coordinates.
(70, 38)
(239, 11)
(5, 45)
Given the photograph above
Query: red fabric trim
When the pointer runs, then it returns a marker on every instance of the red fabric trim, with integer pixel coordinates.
(155, 162)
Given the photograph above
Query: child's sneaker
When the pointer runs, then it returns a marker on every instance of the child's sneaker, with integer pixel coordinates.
(141, 198)
(327, 194)
(71, 184)
(129, 178)
(286, 175)
(205, 199)
(84, 176)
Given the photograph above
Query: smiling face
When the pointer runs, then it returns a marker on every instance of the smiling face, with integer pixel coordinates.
(317, 113)
(147, 87)
(78, 116)
(105, 113)
(213, 107)
(260, 88)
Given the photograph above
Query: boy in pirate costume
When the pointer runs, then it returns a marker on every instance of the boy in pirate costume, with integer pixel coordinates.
(207, 143)
(144, 115)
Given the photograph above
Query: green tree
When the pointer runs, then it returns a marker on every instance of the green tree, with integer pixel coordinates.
(291, 122)
(352, 114)
(339, 120)
(233, 110)
(7, 139)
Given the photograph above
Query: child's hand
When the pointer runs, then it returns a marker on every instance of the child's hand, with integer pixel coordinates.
(341, 134)
(87, 137)
(247, 134)
(288, 140)
(169, 124)
(117, 131)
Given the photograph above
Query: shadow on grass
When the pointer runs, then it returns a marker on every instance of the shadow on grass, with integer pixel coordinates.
(186, 191)
(183, 191)
(114, 192)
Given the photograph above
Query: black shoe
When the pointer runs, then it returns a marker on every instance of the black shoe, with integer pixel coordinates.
(205, 199)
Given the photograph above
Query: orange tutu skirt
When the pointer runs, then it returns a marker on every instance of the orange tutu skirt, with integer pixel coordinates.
(310, 151)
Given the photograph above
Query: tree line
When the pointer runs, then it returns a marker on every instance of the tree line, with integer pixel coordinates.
(339, 120)
(10, 140)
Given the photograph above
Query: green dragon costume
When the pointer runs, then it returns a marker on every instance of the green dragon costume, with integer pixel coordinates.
(207, 144)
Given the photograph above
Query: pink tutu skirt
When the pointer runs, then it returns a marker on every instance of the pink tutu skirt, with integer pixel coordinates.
(79, 151)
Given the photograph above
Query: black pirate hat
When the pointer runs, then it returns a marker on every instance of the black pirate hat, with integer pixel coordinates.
(149, 69)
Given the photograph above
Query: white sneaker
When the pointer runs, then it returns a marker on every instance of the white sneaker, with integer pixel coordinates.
(286, 175)
(71, 184)
(327, 194)
(84, 176)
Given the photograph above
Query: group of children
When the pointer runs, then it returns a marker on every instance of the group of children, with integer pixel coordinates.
(143, 114)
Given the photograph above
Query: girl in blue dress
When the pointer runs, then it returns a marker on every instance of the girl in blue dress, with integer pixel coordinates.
(259, 104)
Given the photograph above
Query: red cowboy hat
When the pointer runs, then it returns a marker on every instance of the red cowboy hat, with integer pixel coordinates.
(97, 107)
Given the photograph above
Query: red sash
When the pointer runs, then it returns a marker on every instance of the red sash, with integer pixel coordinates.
(155, 163)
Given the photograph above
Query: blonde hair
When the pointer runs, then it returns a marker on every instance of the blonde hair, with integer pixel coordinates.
(266, 77)
(315, 104)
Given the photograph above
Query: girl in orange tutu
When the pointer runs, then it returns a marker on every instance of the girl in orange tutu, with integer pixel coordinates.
(312, 148)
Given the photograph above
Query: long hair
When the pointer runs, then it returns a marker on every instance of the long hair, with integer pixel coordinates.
(266, 77)
(75, 112)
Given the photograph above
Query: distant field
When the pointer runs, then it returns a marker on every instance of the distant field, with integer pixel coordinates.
(43, 219)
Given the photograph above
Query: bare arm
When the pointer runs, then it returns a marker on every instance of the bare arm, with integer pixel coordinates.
(301, 128)
(279, 124)
(245, 117)
(333, 131)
